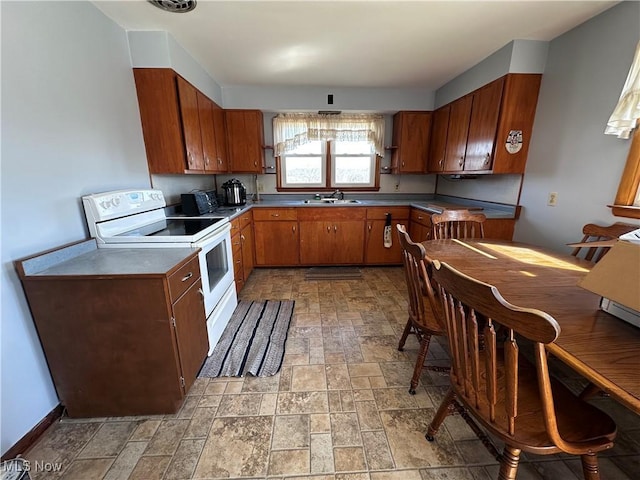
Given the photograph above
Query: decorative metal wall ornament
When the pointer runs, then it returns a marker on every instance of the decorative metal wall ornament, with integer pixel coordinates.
(514, 141)
(174, 6)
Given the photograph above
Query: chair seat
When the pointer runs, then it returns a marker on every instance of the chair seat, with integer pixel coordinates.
(578, 421)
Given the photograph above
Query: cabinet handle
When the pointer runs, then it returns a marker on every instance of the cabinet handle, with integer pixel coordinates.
(419, 217)
(275, 214)
(369, 227)
(328, 228)
(255, 164)
(238, 261)
(236, 243)
(403, 164)
(461, 162)
(201, 292)
(335, 229)
(441, 162)
(219, 161)
(206, 161)
(293, 227)
(242, 238)
(187, 276)
(487, 158)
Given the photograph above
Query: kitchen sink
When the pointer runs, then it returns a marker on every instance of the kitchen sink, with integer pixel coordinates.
(330, 201)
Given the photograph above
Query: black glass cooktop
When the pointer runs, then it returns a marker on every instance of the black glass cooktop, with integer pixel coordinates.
(173, 228)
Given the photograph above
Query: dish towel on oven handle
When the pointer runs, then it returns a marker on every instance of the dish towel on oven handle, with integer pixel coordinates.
(386, 237)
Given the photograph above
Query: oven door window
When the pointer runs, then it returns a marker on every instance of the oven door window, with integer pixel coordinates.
(217, 264)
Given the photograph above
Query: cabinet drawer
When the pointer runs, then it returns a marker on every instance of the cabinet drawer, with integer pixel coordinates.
(262, 214)
(380, 213)
(420, 216)
(182, 279)
(245, 219)
(235, 226)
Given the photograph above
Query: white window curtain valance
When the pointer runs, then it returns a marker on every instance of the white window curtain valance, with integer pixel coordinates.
(626, 113)
(291, 130)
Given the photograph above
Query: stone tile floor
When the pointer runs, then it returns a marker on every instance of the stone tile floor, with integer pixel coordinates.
(339, 408)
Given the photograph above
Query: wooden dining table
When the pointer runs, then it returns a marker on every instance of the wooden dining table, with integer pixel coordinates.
(601, 347)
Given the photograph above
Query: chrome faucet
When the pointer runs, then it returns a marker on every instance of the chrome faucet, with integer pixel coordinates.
(337, 194)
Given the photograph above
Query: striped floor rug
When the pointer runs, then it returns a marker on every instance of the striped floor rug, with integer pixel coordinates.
(252, 342)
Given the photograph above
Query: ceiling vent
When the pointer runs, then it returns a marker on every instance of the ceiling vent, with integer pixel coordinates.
(174, 6)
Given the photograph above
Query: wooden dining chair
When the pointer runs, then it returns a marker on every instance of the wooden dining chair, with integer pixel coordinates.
(593, 233)
(512, 398)
(458, 224)
(425, 319)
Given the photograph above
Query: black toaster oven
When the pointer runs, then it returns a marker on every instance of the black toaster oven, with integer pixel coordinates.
(199, 202)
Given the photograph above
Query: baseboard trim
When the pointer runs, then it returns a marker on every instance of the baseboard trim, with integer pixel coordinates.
(32, 436)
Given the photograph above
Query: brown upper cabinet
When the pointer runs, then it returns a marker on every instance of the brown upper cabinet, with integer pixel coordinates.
(245, 140)
(214, 142)
(438, 144)
(411, 132)
(488, 130)
(179, 125)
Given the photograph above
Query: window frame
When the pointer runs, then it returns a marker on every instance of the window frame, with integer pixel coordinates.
(629, 183)
(328, 153)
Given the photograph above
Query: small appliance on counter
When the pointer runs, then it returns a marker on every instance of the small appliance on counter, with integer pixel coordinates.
(234, 192)
(199, 202)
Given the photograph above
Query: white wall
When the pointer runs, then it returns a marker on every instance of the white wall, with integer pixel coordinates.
(569, 153)
(70, 126)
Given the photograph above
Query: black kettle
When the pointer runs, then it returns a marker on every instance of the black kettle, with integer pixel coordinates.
(234, 192)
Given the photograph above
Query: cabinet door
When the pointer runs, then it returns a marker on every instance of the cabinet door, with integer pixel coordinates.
(207, 131)
(483, 125)
(161, 122)
(316, 242)
(246, 241)
(191, 333)
(190, 124)
(438, 143)
(376, 252)
(457, 134)
(244, 140)
(348, 243)
(411, 134)
(276, 243)
(220, 129)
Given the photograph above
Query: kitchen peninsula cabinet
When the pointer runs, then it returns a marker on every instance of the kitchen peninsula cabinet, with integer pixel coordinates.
(489, 129)
(332, 236)
(375, 251)
(245, 140)
(276, 237)
(123, 329)
(411, 133)
(242, 248)
(176, 124)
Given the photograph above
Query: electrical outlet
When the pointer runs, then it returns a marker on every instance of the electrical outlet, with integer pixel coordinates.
(397, 187)
(553, 199)
(260, 188)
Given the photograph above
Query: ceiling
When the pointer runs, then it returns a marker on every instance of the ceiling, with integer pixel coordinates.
(422, 44)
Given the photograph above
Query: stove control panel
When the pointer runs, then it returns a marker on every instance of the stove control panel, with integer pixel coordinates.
(99, 207)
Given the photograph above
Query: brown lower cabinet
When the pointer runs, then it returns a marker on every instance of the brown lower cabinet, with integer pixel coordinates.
(375, 251)
(242, 248)
(276, 237)
(116, 345)
(342, 235)
(332, 236)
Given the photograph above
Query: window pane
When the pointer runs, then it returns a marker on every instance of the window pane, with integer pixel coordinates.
(353, 148)
(356, 170)
(303, 170)
(310, 148)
